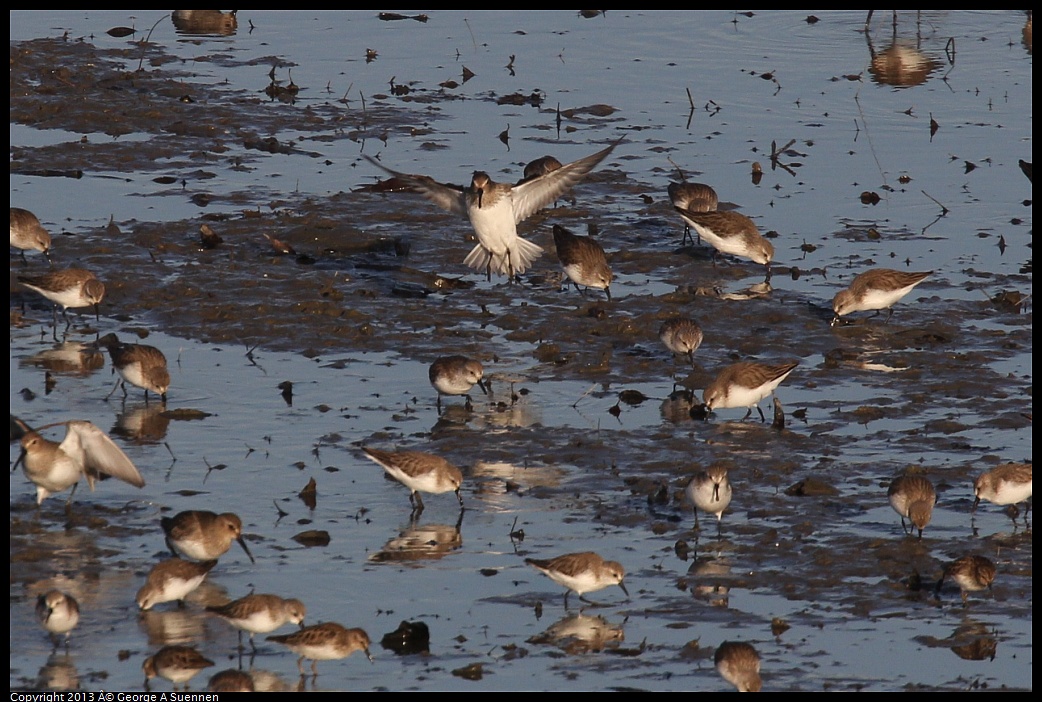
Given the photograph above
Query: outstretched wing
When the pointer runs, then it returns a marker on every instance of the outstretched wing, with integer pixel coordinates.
(99, 453)
(533, 195)
(447, 196)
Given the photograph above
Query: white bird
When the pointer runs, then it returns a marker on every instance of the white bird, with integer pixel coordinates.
(495, 209)
(85, 451)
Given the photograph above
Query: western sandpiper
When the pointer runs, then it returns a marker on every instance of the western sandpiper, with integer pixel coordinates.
(710, 491)
(260, 614)
(744, 384)
(456, 375)
(324, 642)
(178, 664)
(583, 260)
(731, 233)
(58, 613)
(69, 287)
(230, 681)
(1008, 484)
(912, 496)
(581, 573)
(27, 234)
(137, 364)
(681, 336)
(877, 289)
(495, 209)
(970, 573)
(739, 664)
(420, 472)
(85, 451)
(540, 167)
(694, 197)
(202, 535)
(172, 580)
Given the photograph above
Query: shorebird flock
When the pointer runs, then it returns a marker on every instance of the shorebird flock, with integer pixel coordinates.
(198, 539)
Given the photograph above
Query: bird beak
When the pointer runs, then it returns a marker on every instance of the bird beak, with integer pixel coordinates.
(623, 586)
(242, 543)
(481, 194)
(368, 655)
(608, 293)
(21, 457)
(716, 492)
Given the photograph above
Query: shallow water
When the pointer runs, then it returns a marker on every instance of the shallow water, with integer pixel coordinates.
(554, 460)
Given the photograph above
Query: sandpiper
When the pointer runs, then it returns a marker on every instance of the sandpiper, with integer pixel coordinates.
(172, 580)
(581, 573)
(912, 496)
(694, 197)
(260, 614)
(137, 364)
(58, 613)
(324, 642)
(710, 491)
(877, 289)
(739, 664)
(420, 472)
(540, 167)
(744, 384)
(495, 209)
(456, 375)
(27, 234)
(85, 451)
(583, 260)
(970, 573)
(203, 535)
(731, 233)
(681, 336)
(69, 287)
(1008, 484)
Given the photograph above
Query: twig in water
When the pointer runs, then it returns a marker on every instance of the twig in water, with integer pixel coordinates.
(584, 394)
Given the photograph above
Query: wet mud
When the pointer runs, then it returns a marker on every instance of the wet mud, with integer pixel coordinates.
(363, 272)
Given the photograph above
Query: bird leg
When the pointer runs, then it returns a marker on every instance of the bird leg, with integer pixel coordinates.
(113, 389)
(68, 502)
